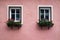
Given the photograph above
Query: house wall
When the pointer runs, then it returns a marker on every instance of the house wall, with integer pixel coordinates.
(30, 29)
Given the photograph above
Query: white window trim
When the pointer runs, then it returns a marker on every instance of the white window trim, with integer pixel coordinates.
(15, 6)
(43, 6)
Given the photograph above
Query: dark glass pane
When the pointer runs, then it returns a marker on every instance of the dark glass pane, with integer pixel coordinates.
(17, 10)
(13, 16)
(41, 10)
(47, 17)
(17, 16)
(46, 11)
(12, 10)
(42, 16)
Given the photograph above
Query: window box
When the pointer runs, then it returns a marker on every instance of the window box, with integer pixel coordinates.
(45, 23)
(11, 24)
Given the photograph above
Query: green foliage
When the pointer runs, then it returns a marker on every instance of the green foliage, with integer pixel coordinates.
(45, 23)
(17, 24)
(11, 23)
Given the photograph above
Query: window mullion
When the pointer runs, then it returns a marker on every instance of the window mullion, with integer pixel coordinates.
(44, 13)
(15, 14)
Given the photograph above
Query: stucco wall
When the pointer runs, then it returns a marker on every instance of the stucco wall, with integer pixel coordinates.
(29, 29)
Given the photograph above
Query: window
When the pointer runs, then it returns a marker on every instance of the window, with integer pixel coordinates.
(15, 13)
(45, 12)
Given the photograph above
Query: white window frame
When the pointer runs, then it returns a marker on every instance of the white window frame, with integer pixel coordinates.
(49, 13)
(45, 13)
(14, 13)
(10, 14)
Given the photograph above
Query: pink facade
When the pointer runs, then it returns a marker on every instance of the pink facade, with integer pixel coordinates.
(29, 29)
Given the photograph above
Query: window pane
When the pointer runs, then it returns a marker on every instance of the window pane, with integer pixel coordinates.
(12, 10)
(42, 17)
(17, 10)
(46, 11)
(47, 14)
(42, 13)
(47, 17)
(41, 10)
(17, 16)
(13, 16)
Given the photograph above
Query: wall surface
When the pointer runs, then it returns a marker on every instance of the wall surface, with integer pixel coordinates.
(30, 29)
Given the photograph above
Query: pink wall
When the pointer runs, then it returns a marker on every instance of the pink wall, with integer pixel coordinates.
(29, 29)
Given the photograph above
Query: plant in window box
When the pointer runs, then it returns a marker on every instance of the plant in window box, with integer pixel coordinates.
(17, 24)
(11, 23)
(45, 23)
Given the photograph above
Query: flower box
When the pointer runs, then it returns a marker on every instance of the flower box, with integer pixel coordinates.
(45, 23)
(11, 24)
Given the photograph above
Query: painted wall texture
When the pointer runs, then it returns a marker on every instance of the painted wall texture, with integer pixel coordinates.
(29, 29)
